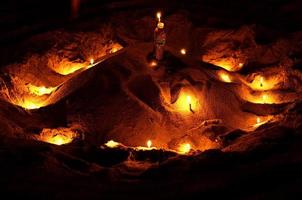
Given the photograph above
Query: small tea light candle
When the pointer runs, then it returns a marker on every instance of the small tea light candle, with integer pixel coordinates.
(91, 61)
(153, 64)
(183, 51)
(149, 143)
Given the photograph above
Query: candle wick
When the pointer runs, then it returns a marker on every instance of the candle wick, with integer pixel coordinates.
(190, 107)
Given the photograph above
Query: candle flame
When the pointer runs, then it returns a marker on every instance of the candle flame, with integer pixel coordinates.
(158, 15)
(183, 51)
(189, 99)
(153, 64)
(149, 143)
(91, 61)
(258, 120)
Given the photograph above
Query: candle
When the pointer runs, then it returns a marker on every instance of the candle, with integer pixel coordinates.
(153, 64)
(261, 81)
(159, 39)
(183, 51)
(91, 61)
(149, 143)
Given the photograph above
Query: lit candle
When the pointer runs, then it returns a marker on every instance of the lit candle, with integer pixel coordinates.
(183, 51)
(189, 103)
(159, 39)
(261, 81)
(112, 144)
(153, 64)
(91, 61)
(158, 15)
(149, 143)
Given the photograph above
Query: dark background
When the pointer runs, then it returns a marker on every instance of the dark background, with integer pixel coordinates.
(20, 19)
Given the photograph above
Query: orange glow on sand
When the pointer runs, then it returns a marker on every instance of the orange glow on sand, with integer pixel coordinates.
(42, 90)
(258, 97)
(116, 47)
(30, 104)
(187, 102)
(262, 99)
(224, 77)
(112, 144)
(228, 64)
(184, 148)
(58, 136)
(66, 68)
(33, 97)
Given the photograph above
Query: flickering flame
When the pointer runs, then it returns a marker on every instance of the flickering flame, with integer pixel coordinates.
(91, 61)
(184, 148)
(42, 90)
(189, 99)
(112, 144)
(158, 15)
(258, 120)
(153, 64)
(224, 77)
(149, 143)
(183, 51)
